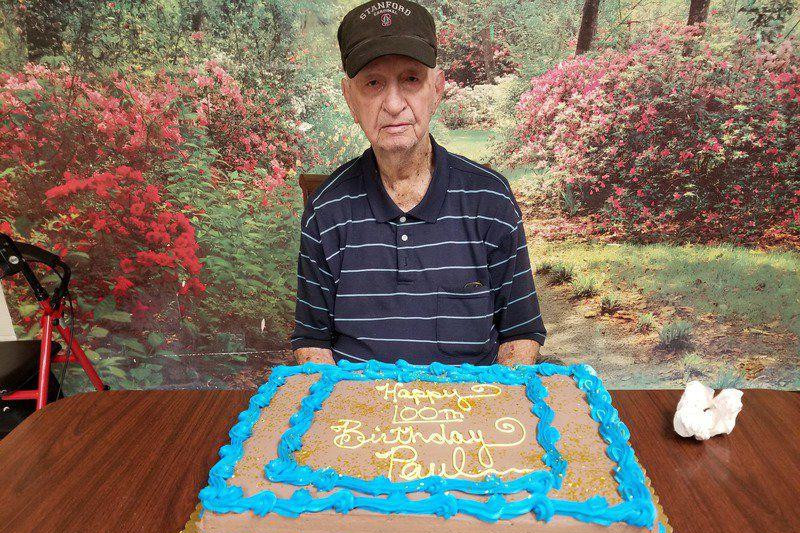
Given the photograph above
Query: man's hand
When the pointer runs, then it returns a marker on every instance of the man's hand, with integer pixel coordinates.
(316, 355)
(518, 352)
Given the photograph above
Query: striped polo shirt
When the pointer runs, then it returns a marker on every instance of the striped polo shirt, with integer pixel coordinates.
(449, 281)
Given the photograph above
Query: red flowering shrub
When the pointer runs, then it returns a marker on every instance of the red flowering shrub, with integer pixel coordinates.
(673, 138)
(104, 168)
(152, 241)
(82, 153)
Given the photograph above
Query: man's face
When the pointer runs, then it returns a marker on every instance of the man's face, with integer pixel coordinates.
(393, 98)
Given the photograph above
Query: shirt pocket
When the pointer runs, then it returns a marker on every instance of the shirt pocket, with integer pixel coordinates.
(463, 320)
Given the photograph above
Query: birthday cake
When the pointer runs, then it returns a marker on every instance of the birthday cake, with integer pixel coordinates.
(400, 447)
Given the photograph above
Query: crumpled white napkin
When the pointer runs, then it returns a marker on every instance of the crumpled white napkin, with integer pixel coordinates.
(702, 415)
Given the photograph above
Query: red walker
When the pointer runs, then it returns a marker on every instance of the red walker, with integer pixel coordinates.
(14, 258)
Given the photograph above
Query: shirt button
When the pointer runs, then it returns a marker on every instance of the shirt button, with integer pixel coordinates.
(402, 219)
(404, 237)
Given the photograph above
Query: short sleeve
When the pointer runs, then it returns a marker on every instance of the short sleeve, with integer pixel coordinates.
(516, 304)
(315, 288)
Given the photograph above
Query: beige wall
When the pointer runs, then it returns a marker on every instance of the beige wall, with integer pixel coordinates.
(6, 329)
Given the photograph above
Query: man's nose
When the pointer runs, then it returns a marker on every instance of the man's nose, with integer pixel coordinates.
(395, 101)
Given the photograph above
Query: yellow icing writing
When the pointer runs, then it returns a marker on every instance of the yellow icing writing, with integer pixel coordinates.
(408, 415)
(396, 391)
(403, 435)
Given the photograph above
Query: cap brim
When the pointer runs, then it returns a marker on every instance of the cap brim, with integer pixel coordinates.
(406, 45)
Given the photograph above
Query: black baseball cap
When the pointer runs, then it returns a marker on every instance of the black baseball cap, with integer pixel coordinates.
(379, 28)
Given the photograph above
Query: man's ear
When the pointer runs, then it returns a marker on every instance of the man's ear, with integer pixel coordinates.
(347, 96)
(438, 86)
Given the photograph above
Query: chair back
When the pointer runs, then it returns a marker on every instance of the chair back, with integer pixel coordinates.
(309, 183)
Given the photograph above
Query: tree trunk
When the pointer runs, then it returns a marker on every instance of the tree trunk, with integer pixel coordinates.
(588, 26)
(42, 28)
(486, 52)
(198, 17)
(698, 11)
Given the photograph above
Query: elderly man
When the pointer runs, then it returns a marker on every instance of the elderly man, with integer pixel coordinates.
(410, 251)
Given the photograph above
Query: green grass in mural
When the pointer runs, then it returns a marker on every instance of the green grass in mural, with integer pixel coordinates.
(524, 171)
(585, 285)
(610, 302)
(469, 143)
(726, 280)
(646, 322)
(475, 145)
(676, 336)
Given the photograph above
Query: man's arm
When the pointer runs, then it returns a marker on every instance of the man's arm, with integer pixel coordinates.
(315, 355)
(518, 352)
(312, 338)
(517, 319)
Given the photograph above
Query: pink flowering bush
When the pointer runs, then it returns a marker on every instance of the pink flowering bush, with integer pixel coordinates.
(673, 138)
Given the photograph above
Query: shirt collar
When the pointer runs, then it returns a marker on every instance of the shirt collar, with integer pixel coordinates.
(384, 208)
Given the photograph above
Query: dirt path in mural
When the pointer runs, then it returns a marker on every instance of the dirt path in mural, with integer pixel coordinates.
(725, 352)
(574, 334)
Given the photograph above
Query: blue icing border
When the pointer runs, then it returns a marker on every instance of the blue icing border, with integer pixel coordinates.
(636, 509)
(285, 469)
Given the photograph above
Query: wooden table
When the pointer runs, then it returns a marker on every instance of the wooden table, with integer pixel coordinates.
(134, 461)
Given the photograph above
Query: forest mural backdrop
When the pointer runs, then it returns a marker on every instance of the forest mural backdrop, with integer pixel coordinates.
(653, 145)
